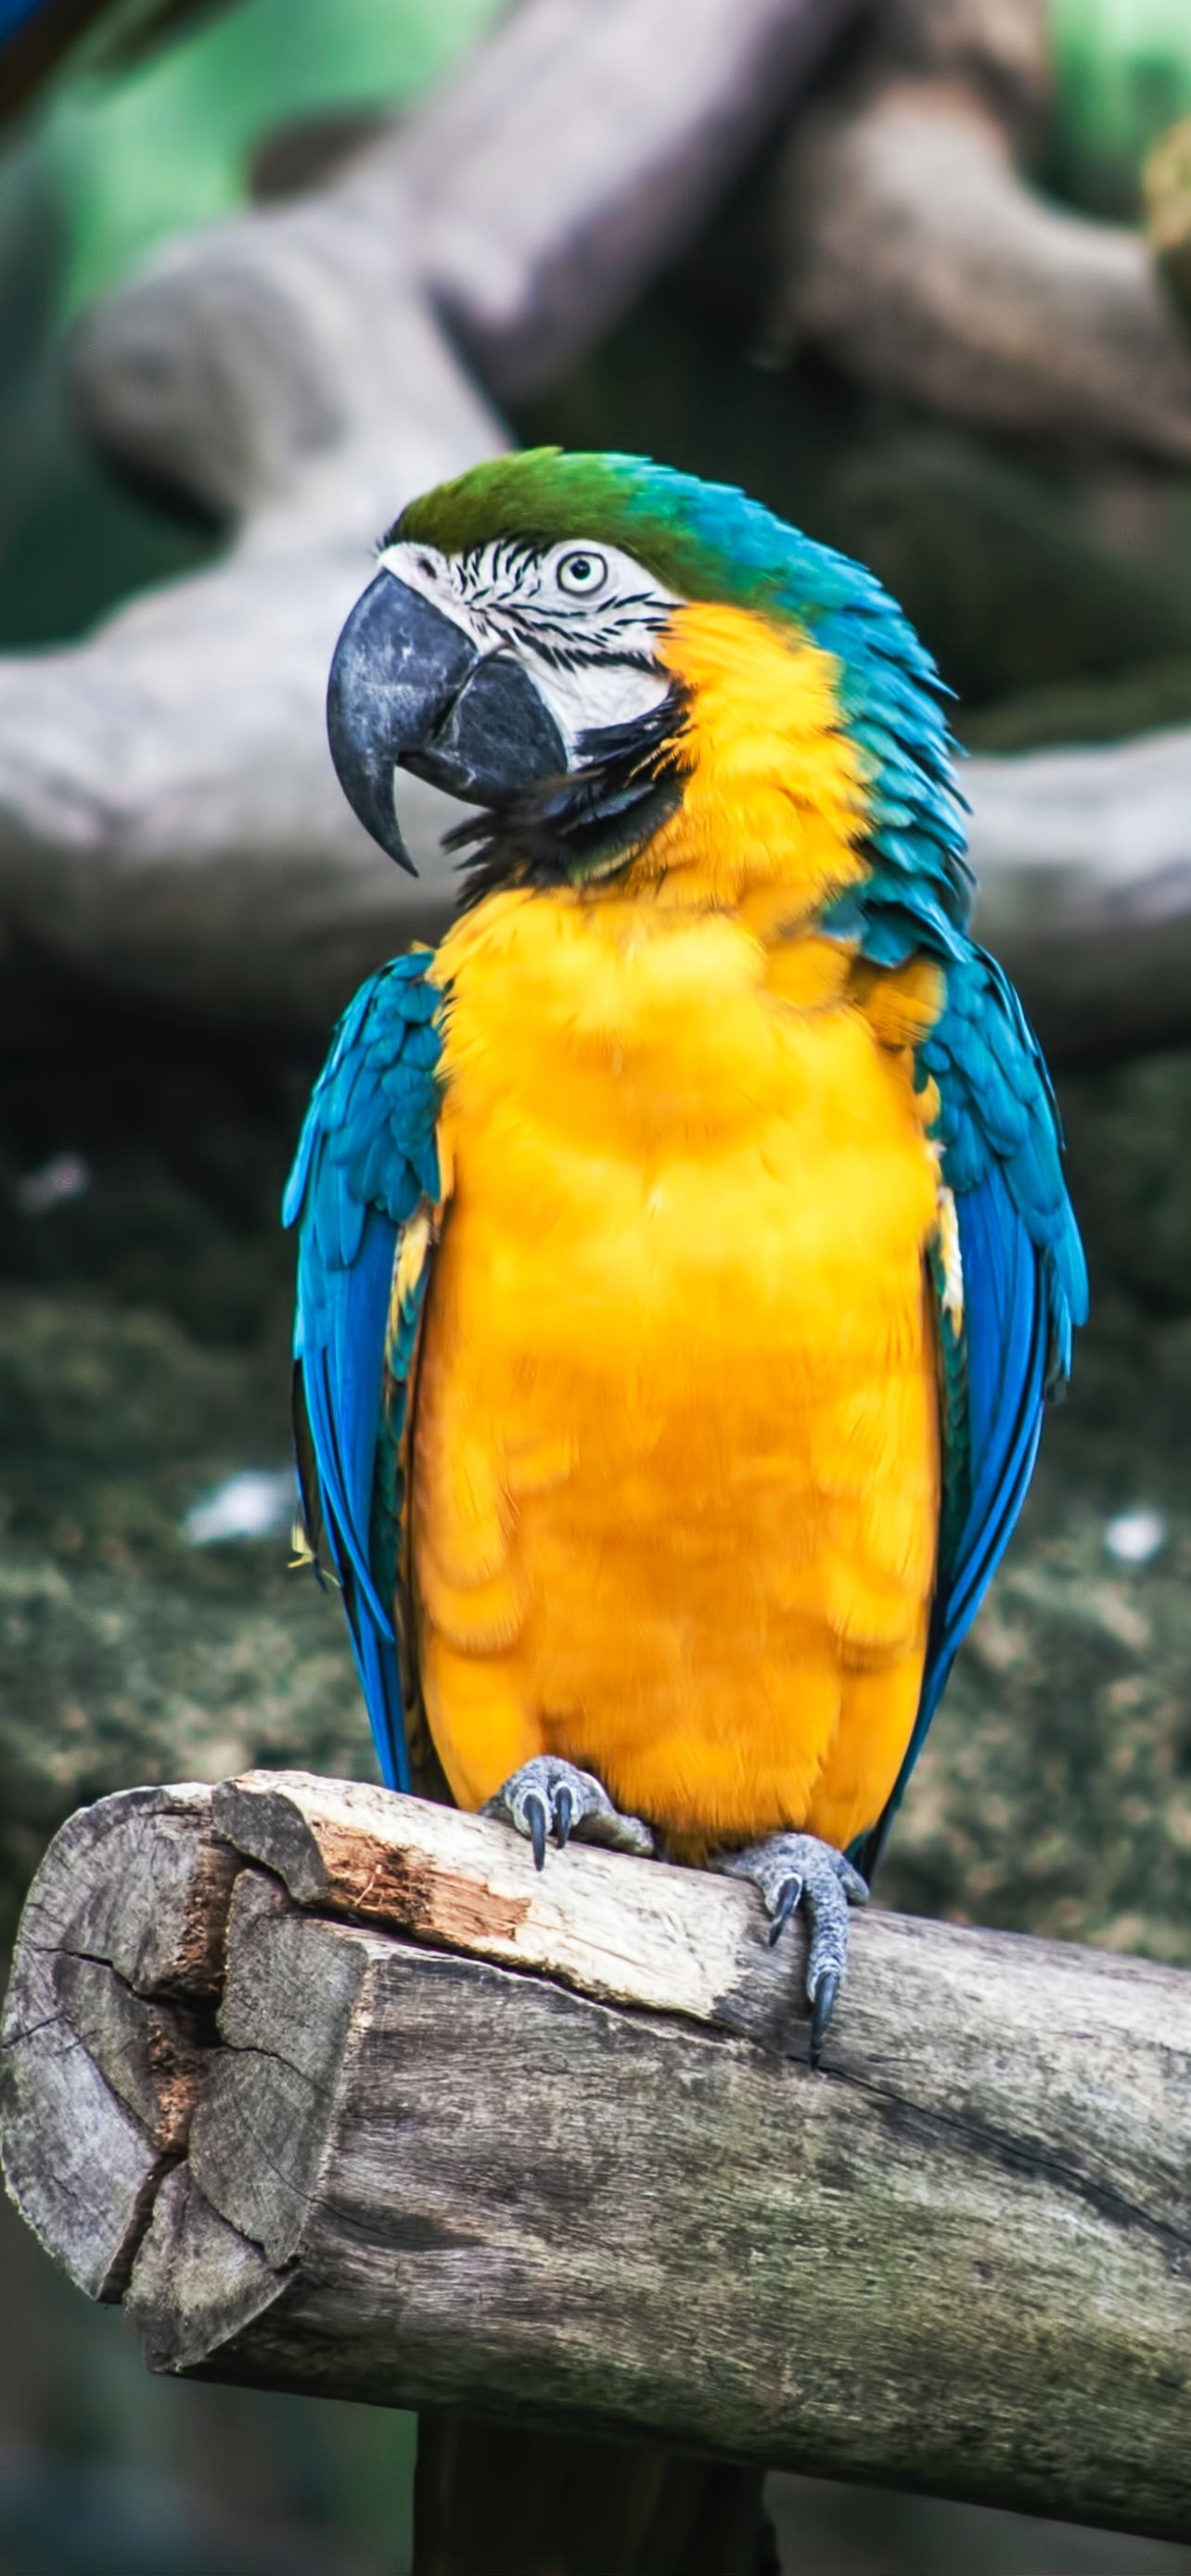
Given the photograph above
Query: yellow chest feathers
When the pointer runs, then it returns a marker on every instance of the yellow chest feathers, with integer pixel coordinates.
(652, 1082)
(675, 1477)
(681, 1080)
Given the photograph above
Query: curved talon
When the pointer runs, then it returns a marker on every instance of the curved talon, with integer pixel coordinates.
(787, 1904)
(822, 2007)
(792, 1870)
(534, 1811)
(551, 1799)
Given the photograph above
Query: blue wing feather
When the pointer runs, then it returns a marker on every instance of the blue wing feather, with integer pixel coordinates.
(367, 1159)
(1024, 1287)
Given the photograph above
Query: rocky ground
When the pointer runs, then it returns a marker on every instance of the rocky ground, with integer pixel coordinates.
(143, 1361)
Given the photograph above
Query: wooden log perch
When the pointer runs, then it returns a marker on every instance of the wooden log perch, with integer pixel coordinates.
(338, 2095)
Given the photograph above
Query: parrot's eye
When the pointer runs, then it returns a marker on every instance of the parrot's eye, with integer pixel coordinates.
(581, 573)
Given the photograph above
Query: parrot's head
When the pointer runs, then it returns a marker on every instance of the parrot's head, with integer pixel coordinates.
(585, 645)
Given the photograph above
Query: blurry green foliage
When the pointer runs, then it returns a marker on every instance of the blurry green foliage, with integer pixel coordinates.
(137, 155)
(108, 167)
(1123, 72)
(140, 151)
(70, 540)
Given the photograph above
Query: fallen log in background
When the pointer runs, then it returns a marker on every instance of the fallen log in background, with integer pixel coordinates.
(1083, 859)
(336, 2094)
(170, 822)
(531, 200)
(913, 252)
(169, 819)
(911, 245)
(226, 873)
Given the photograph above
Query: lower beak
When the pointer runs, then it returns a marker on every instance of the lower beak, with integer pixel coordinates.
(409, 690)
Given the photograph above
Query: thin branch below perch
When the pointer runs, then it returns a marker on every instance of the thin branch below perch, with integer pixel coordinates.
(549, 2147)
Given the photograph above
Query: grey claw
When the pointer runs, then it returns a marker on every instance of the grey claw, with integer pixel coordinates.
(822, 2007)
(796, 1869)
(549, 1798)
(539, 1826)
(787, 1904)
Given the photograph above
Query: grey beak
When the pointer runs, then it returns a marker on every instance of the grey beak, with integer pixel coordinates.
(409, 690)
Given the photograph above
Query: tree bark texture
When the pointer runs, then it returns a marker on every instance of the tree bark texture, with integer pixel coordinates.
(547, 2149)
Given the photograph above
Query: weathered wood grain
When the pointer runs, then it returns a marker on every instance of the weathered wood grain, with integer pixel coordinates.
(1058, 2050)
(153, 2055)
(98, 2073)
(547, 2149)
(666, 1941)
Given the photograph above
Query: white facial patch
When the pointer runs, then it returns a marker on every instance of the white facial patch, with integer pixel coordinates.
(583, 617)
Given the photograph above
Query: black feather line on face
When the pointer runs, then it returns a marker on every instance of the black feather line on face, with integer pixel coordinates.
(589, 823)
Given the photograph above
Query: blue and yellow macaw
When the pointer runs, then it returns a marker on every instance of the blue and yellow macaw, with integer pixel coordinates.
(684, 1249)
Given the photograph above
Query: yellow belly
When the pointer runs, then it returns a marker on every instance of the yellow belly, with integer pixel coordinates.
(675, 1475)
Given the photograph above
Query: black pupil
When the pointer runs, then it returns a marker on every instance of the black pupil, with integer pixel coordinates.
(580, 567)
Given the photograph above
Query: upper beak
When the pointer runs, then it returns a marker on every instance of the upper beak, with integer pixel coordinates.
(409, 690)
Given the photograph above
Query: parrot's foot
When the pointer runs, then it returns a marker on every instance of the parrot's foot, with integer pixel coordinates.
(549, 1798)
(797, 1869)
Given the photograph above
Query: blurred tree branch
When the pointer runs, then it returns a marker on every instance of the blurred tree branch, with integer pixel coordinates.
(168, 815)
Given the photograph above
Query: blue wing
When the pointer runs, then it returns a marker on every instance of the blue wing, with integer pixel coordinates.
(1024, 1286)
(366, 1172)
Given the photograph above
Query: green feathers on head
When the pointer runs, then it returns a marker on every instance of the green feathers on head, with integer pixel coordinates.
(708, 541)
(546, 495)
(702, 540)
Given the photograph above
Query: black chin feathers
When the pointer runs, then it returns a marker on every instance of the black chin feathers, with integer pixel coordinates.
(590, 821)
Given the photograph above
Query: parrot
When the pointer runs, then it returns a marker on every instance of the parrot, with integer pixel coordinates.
(684, 1253)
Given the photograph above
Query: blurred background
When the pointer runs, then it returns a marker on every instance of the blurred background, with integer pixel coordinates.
(1029, 503)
